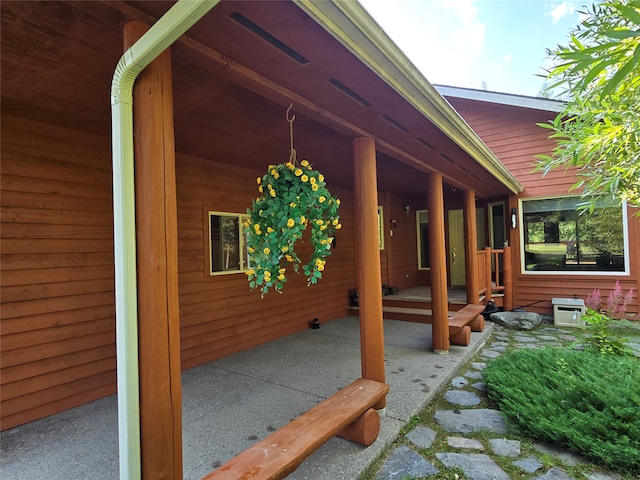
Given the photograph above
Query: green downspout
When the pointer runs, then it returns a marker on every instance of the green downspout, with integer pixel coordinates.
(160, 36)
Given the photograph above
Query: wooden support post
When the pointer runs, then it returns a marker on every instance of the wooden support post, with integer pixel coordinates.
(488, 275)
(368, 264)
(507, 279)
(471, 246)
(438, 261)
(157, 254)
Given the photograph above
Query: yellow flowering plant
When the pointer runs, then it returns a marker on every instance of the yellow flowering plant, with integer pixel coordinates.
(292, 197)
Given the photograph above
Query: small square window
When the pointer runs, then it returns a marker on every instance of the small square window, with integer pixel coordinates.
(227, 240)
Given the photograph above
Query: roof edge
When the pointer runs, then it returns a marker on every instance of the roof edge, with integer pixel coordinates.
(522, 101)
(352, 26)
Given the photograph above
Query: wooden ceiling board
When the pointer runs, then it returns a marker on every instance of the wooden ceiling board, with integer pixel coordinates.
(235, 115)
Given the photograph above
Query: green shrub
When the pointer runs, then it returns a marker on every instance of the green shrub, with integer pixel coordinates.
(602, 338)
(583, 401)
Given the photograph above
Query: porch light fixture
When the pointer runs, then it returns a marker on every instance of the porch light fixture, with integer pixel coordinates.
(393, 223)
(514, 218)
(406, 209)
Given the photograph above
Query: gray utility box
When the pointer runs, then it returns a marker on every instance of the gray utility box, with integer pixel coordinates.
(567, 312)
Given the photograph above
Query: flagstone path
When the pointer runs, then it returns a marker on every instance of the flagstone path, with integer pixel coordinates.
(475, 457)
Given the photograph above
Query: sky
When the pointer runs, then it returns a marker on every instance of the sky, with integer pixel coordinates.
(500, 44)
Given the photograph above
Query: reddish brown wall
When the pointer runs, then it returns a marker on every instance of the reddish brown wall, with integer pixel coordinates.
(58, 335)
(219, 315)
(57, 275)
(512, 134)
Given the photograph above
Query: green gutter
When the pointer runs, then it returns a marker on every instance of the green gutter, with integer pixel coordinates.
(350, 24)
(160, 36)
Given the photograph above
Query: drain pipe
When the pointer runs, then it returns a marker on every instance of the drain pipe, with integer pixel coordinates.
(158, 38)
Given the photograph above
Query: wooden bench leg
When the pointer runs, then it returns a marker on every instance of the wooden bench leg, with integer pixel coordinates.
(461, 337)
(477, 324)
(364, 430)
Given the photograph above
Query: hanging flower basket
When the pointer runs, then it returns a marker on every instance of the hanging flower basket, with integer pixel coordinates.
(293, 197)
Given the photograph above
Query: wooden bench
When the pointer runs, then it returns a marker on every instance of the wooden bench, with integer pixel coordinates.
(347, 413)
(461, 323)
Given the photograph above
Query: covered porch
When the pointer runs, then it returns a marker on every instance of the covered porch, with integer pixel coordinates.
(231, 403)
(209, 116)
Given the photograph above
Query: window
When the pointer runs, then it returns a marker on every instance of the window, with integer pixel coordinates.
(422, 222)
(380, 229)
(227, 243)
(558, 238)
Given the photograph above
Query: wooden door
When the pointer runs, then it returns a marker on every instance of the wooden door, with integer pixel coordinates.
(456, 248)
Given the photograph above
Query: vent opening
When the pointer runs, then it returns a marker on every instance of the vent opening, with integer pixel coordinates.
(425, 143)
(266, 36)
(347, 91)
(447, 157)
(462, 168)
(395, 123)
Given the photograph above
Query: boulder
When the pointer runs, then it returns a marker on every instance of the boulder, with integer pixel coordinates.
(517, 320)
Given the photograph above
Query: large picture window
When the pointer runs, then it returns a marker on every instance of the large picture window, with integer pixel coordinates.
(227, 243)
(558, 238)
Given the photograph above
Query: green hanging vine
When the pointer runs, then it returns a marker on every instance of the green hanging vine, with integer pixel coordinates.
(292, 197)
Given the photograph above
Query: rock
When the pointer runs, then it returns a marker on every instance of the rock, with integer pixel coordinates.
(462, 398)
(467, 421)
(517, 320)
(478, 365)
(476, 466)
(459, 382)
(461, 442)
(525, 339)
(422, 437)
(529, 465)
(602, 476)
(504, 447)
(568, 457)
(480, 386)
(556, 473)
(489, 353)
(405, 463)
(474, 374)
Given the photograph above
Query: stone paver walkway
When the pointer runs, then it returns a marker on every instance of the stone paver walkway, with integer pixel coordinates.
(466, 415)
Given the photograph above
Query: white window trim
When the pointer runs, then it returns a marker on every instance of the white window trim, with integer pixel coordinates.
(244, 263)
(625, 237)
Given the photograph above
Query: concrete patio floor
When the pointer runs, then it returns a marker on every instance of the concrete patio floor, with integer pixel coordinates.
(232, 402)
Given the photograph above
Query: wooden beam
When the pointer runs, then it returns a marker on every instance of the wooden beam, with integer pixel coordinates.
(368, 253)
(471, 246)
(157, 258)
(438, 262)
(257, 83)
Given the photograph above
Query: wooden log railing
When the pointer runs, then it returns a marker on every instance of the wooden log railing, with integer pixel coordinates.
(491, 278)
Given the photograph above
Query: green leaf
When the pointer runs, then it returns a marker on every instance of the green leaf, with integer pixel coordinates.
(621, 34)
(629, 12)
(619, 75)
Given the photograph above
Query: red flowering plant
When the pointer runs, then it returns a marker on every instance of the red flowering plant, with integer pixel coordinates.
(292, 197)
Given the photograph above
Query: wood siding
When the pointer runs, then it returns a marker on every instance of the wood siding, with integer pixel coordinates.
(512, 134)
(58, 315)
(57, 276)
(219, 315)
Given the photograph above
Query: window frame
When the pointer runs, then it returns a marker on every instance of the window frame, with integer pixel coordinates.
(244, 260)
(625, 241)
(380, 227)
(419, 238)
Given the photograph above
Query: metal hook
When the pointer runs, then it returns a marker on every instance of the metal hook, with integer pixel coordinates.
(290, 120)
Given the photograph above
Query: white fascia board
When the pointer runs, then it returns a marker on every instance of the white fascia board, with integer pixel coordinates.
(522, 101)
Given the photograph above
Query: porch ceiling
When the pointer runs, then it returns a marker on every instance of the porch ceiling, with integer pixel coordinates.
(232, 84)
